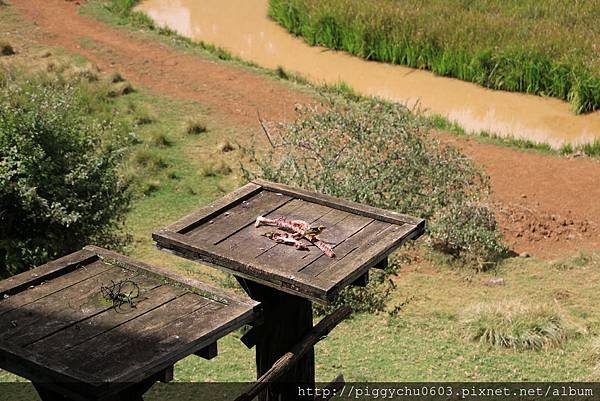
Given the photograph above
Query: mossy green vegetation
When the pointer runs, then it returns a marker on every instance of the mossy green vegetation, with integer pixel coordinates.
(545, 47)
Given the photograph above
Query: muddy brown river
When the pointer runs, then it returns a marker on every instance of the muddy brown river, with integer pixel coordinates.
(243, 28)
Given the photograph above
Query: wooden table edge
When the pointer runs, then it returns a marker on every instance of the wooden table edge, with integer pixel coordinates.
(342, 204)
(45, 272)
(295, 284)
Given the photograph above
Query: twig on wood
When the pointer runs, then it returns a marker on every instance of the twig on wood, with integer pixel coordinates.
(262, 125)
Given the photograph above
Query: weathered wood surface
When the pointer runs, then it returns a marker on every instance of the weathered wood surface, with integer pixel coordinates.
(223, 234)
(295, 354)
(60, 331)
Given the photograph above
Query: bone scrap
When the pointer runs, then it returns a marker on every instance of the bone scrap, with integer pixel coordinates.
(297, 233)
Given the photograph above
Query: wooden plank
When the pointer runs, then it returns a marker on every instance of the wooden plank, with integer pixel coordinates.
(100, 323)
(236, 218)
(382, 264)
(154, 344)
(362, 281)
(47, 289)
(348, 269)
(348, 206)
(296, 283)
(339, 225)
(342, 249)
(287, 320)
(172, 278)
(166, 375)
(203, 215)
(93, 353)
(249, 338)
(63, 308)
(193, 333)
(254, 235)
(50, 270)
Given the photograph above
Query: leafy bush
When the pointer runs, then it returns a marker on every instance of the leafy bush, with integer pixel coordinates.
(380, 154)
(122, 6)
(468, 231)
(195, 127)
(371, 298)
(517, 326)
(60, 186)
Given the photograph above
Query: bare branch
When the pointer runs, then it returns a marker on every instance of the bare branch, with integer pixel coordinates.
(264, 129)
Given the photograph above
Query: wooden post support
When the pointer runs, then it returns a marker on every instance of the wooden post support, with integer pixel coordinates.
(362, 281)
(288, 362)
(249, 338)
(287, 319)
(208, 352)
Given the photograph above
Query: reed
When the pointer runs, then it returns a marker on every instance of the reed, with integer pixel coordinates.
(547, 47)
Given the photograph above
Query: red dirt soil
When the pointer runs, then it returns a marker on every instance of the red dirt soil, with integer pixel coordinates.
(547, 205)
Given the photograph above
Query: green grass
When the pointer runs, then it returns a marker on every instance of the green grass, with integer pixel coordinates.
(544, 47)
(443, 124)
(517, 326)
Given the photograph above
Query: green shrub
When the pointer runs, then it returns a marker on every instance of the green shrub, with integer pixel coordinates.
(161, 140)
(60, 186)
(369, 299)
(149, 160)
(122, 7)
(214, 169)
(468, 231)
(517, 326)
(379, 154)
(120, 89)
(115, 77)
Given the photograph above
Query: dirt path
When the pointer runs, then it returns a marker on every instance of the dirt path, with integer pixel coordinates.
(235, 93)
(547, 205)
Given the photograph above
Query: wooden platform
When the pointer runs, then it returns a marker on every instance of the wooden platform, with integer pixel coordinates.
(223, 234)
(57, 327)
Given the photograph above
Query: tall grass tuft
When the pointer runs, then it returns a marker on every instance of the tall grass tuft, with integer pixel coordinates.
(493, 43)
(517, 326)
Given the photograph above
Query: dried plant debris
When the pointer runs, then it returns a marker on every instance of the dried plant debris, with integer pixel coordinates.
(121, 293)
(296, 232)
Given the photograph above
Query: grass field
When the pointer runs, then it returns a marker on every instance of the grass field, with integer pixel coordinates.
(421, 336)
(547, 47)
